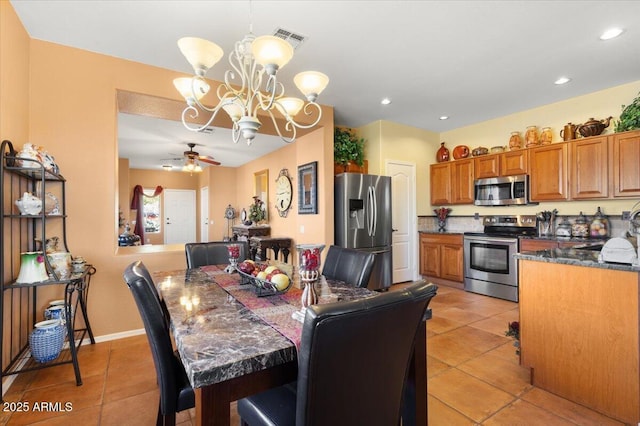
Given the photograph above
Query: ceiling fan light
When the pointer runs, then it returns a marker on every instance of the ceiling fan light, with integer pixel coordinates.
(289, 106)
(202, 54)
(271, 52)
(311, 83)
(185, 84)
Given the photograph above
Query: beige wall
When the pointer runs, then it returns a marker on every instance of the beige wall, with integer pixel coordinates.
(65, 100)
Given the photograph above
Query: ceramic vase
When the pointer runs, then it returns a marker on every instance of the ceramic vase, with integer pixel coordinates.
(46, 340)
(442, 154)
(442, 225)
(32, 268)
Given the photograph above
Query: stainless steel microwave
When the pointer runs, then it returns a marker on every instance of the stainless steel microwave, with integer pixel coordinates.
(502, 191)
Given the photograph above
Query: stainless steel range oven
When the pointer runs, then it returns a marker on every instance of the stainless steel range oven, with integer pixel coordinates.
(489, 265)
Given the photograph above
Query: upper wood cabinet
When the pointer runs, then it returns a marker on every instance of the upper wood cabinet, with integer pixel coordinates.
(589, 160)
(514, 162)
(440, 181)
(462, 181)
(548, 169)
(452, 182)
(487, 166)
(626, 164)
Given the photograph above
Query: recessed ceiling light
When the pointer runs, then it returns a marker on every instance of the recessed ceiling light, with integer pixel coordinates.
(444, 117)
(611, 33)
(385, 101)
(562, 80)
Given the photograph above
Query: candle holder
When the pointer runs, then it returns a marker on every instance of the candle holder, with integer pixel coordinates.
(234, 255)
(309, 261)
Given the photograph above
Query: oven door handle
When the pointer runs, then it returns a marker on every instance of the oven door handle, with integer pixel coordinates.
(491, 240)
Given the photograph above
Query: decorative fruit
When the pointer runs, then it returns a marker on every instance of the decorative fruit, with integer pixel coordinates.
(234, 251)
(246, 266)
(262, 275)
(270, 269)
(281, 281)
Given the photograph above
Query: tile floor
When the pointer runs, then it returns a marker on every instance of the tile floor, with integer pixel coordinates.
(473, 375)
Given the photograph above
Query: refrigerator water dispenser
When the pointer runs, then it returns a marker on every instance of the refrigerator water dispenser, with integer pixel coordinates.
(356, 214)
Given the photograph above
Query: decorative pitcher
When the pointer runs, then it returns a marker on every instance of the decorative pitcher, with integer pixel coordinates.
(32, 268)
(442, 154)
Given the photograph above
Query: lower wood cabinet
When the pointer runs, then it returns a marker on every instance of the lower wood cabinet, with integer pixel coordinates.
(441, 256)
(533, 244)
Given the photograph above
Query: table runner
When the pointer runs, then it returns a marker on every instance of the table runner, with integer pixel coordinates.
(275, 310)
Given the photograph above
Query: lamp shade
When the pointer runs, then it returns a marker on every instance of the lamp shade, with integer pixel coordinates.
(311, 83)
(234, 108)
(270, 50)
(184, 85)
(289, 106)
(202, 54)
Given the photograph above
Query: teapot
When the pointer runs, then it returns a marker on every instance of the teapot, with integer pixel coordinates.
(29, 204)
(593, 127)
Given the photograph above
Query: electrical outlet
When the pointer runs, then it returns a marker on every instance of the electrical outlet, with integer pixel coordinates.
(626, 215)
(476, 216)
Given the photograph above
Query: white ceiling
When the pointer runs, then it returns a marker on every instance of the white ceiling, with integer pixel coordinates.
(470, 60)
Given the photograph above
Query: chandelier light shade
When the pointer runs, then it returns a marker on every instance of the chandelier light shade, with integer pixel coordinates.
(250, 86)
(191, 165)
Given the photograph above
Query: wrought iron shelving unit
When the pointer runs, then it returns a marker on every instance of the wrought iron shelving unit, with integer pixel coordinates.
(23, 233)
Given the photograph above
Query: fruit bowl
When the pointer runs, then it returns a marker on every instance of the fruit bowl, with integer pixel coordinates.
(264, 286)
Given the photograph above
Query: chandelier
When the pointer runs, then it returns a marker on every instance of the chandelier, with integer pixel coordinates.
(250, 86)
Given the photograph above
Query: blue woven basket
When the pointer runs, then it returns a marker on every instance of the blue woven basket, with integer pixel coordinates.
(46, 340)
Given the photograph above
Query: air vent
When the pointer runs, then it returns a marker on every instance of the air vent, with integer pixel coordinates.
(294, 39)
(208, 130)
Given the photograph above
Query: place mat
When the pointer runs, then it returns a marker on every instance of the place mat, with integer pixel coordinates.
(274, 310)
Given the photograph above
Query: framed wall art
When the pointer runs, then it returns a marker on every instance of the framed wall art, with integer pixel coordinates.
(308, 188)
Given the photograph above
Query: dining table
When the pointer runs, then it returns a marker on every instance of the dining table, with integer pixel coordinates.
(234, 342)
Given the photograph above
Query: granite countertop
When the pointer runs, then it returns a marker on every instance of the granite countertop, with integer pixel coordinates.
(440, 233)
(576, 257)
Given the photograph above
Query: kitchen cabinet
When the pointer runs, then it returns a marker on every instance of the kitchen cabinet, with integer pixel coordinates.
(440, 181)
(487, 166)
(534, 244)
(20, 307)
(452, 182)
(589, 163)
(626, 164)
(462, 181)
(548, 170)
(441, 256)
(514, 162)
(579, 335)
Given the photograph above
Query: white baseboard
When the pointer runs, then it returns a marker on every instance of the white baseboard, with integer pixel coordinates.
(8, 380)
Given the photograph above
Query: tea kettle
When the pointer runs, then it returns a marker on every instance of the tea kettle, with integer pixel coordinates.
(593, 127)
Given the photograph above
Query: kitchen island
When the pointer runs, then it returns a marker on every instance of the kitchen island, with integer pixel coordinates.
(579, 329)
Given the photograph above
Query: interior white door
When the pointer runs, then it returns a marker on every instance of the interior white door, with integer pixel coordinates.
(204, 214)
(179, 216)
(404, 220)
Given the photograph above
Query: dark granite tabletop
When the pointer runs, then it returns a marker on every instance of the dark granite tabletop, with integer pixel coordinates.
(219, 338)
(572, 256)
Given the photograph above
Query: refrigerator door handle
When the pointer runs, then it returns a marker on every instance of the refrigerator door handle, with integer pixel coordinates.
(369, 212)
(375, 211)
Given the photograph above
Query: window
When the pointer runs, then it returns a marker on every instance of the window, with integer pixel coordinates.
(151, 212)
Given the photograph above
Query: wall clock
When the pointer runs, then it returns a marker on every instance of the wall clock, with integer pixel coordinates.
(284, 193)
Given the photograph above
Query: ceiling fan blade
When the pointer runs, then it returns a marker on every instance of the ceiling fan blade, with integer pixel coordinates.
(209, 160)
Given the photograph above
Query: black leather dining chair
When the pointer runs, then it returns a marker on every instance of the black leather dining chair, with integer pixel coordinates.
(349, 265)
(212, 253)
(138, 268)
(176, 394)
(352, 364)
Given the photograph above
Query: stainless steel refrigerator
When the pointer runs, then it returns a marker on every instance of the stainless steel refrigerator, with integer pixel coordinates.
(363, 220)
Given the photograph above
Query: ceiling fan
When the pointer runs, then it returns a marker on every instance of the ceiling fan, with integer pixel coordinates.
(192, 157)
